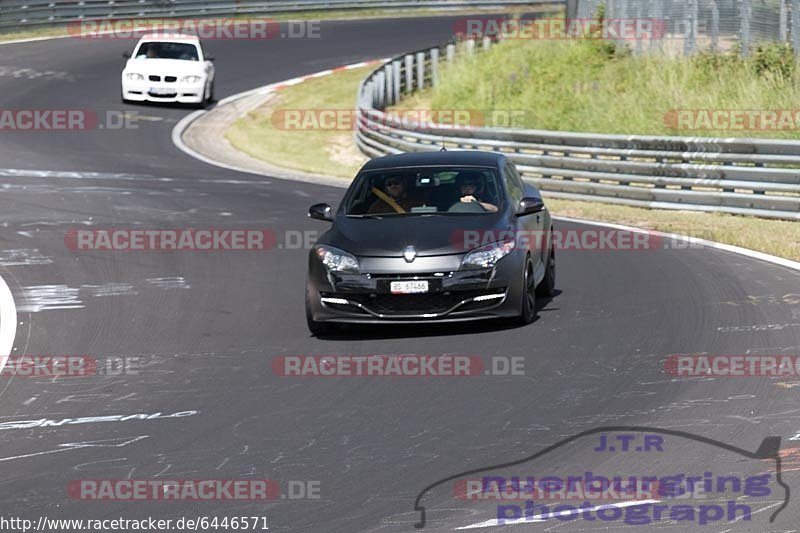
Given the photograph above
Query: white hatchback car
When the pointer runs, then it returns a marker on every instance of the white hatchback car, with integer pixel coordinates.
(168, 68)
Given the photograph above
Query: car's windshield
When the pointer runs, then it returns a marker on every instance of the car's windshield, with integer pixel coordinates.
(424, 190)
(167, 50)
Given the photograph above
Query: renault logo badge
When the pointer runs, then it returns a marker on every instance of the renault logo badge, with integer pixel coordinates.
(409, 254)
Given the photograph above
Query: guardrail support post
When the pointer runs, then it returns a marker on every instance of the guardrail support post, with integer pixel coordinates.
(369, 89)
(470, 46)
(434, 66)
(380, 93)
(451, 50)
(420, 70)
(409, 73)
(389, 87)
(396, 80)
(486, 43)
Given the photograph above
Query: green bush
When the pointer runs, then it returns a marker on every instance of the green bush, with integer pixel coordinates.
(774, 58)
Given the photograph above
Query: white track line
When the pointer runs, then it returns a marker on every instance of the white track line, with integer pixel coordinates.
(794, 265)
(8, 322)
(185, 122)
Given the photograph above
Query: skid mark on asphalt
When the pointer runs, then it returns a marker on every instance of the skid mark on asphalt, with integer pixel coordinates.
(37, 298)
(757, 327)
(23, 257)
(20, 73)
(169, 283)
(49, 297)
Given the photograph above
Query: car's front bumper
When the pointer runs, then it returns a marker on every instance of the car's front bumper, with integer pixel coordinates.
(454, 296)
(145, 91)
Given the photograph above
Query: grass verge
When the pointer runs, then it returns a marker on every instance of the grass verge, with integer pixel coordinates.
(330, 152)
(591, 86)
(334, 153)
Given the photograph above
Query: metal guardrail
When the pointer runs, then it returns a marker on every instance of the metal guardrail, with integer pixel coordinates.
(757, 177)
(20, 14)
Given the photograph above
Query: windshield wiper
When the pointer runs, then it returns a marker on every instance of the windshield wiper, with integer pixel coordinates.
(376, 217)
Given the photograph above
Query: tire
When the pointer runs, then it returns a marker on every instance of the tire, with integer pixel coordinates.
(203, 103)
(317, 328)
(211, 94)
(548, 283)
(527, 312)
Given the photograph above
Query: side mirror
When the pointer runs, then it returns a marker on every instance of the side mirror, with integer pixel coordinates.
(126, 55)
(210, 58)
(530, 205)
(321, 212)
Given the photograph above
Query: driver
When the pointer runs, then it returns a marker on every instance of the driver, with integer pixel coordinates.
(393, 198)
(471, 187)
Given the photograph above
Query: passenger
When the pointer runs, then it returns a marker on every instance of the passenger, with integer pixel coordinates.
(393, 198)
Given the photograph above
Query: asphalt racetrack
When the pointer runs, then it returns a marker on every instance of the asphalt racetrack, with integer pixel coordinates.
(206, 326)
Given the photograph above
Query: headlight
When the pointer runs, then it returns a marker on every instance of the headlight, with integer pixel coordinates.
(133, 76)
(488, 256)
(336, 260)
(191, 79)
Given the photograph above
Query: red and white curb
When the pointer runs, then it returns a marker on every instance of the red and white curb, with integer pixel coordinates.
(185, 122)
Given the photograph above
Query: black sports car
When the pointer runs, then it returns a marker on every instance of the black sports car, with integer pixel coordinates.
(432, 236)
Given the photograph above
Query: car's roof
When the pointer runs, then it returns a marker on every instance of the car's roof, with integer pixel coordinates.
(445, 158)
(170, 37)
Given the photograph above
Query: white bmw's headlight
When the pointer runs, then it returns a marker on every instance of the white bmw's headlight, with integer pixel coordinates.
(191, 79)
(336, 260)
(488, 256)
(134, 76)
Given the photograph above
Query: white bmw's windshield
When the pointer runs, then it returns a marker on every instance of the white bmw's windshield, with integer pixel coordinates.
(167, 50)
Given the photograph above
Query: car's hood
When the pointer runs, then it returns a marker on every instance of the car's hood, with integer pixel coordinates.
(429, 235)
(172, 67)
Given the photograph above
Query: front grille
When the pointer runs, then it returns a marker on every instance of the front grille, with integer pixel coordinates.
(154, 78)
(416, 304)
(170, 79)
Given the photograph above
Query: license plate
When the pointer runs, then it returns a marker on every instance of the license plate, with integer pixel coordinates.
(408, 287)
(161, 91)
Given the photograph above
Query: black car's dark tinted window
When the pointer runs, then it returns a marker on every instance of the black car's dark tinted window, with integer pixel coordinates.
(423, 190)
(514, 184)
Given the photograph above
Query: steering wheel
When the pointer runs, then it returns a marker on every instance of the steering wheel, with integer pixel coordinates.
(466, 207)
